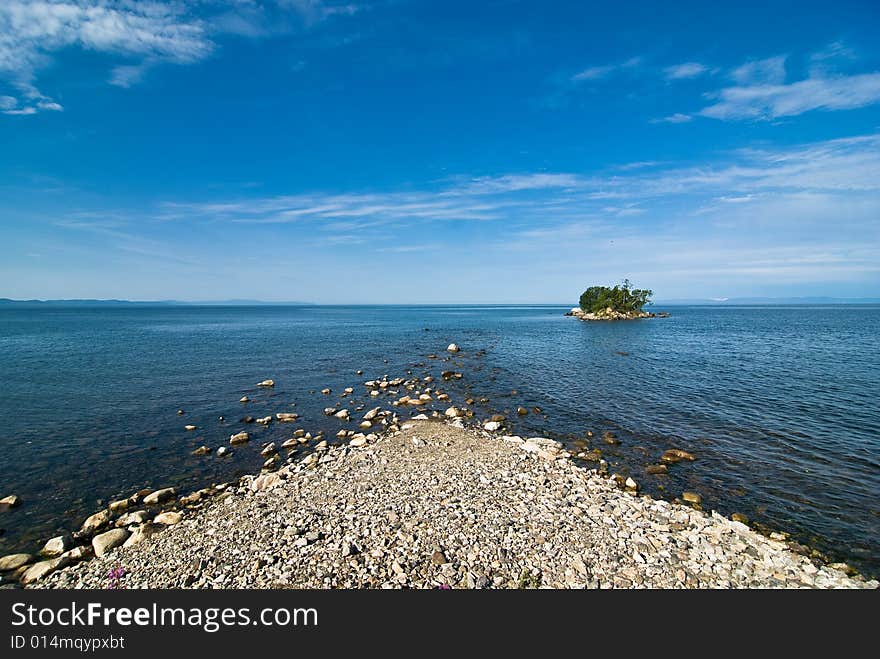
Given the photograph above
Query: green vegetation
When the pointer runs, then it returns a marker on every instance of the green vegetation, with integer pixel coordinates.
(622, 298)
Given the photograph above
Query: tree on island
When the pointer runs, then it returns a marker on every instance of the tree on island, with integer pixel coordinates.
(622, 298)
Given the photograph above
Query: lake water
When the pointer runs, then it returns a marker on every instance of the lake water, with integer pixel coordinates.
(779, 404)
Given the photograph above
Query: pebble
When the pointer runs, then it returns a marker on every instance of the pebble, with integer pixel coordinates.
(437, 505)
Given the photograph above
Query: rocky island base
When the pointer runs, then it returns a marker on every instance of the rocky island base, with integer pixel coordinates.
(437, 505)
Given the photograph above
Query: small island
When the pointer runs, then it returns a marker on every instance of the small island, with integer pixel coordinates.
(620, 302)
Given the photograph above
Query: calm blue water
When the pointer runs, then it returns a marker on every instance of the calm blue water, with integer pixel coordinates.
(779, 404)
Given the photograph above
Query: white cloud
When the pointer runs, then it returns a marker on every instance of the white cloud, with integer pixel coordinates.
(31, 30)
(143, 32)
(771, 101)
(128, 74)
(686, 70)
(598, 72)
(677, 118)
(768, 71)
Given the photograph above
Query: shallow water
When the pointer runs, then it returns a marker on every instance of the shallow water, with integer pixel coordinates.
(778, 403)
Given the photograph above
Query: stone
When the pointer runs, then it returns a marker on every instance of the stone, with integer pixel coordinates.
(222, 451)
(141, 533)
(189, 427)
(438, 558)
(11, 501)
(244, 399)
(104, 542)
(739, 517)
(286, 417)
(630, 484)
(265, 482)
(43, 569)
(326, 391)
(372, 414)
(342, 414)
(492, 426)
(453, 412)
(521, 411)
(179, 412)
(57, 545)
(358, 441)
(80, 553)
(452, 348)
(293, 442)
(168, 518)
(119, 505)
(266, 383)
(655, 470)
(266, 420)
(269, 449)
(202, 450)
(676, 455)
(14, 561)
(136, 517)
(610, 438)
(365, 424)
(239, 438)
(160, 496)
(95, 522)
(692, 497)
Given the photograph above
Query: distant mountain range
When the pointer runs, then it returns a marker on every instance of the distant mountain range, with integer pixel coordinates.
(117, 303)
(733, 301)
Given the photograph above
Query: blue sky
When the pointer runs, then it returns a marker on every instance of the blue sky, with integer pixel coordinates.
(437, 152)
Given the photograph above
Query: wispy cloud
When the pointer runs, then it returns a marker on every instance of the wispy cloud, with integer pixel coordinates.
(843, 166)
(605, 70)
(761, 92)
(677, 118)
(685, 70)
(147, 33)
(770, 71)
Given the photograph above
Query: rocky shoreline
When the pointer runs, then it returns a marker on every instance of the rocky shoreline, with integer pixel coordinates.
(611, 314)
(430, 503)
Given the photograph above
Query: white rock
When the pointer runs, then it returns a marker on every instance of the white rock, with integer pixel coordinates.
(104, 542)
(168, 518)
(452, 348)
(57, 545)
(159, 496)
(492, 426)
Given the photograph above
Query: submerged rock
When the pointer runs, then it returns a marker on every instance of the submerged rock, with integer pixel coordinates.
(674, 455)
(11, 501)
(202, 450)
(239, 438)
(692, 497)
